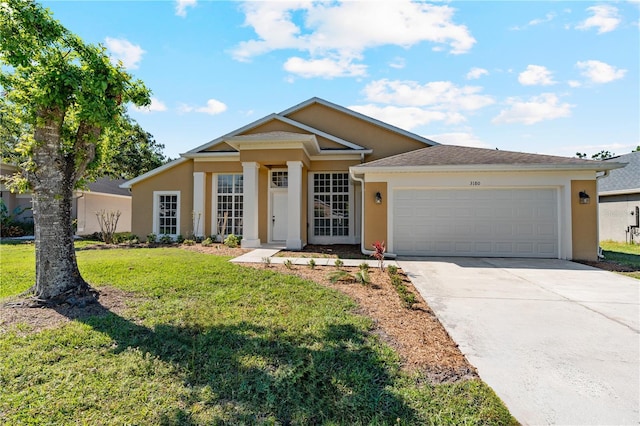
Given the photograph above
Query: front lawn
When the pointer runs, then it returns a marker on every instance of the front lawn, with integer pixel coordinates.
(203, 341)
(623, 254)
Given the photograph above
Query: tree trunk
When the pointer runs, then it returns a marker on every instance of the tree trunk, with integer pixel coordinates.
(58, 278)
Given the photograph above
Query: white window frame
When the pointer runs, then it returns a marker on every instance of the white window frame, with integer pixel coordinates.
(156, 212)
(214, 200)
(351, 238)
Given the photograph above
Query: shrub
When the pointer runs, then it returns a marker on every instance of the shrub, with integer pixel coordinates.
(189, 242)
(339, 263)
(312, 264)
(407, 297)
(267, 261)
(288, 264)
(364, 266)
(232, 241)
(207, 242)
(362, 276)
(340, 275)
(166, 239)
(179, 239)
(152, 238)
(108, 221)
(392, 270)
(124, 237)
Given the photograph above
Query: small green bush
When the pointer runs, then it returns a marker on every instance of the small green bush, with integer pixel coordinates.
(340, 275)
(166, 239)
(392, 270)
(207, 242)
(152, 238)
(362, 276)
(232, 241)
(312, 264)
(189, 242)
(364, 266)
(339, 263)
(179, 239)
(288, 264)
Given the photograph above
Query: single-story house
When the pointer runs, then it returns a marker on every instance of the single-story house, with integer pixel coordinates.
(619, 200)
(319, 173)
(103, 194)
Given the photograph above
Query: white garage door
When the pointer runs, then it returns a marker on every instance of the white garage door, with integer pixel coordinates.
(479, 222)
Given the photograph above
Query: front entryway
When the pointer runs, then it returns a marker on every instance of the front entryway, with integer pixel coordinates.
(279, 215)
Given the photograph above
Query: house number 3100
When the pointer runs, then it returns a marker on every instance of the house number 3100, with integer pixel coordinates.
(474, 183)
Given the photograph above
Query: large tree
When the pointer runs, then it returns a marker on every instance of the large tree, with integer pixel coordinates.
(63, 95)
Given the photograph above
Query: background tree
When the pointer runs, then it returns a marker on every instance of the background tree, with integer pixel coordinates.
(63, 94)
(137, 151)
(602, 155)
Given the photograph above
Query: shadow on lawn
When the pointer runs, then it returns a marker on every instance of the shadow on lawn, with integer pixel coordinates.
(260, 374)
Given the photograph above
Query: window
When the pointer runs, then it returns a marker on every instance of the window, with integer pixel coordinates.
(331, 204)
(279, 179)
(166, 213)
(229, 201)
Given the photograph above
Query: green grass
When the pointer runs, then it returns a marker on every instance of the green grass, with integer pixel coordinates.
(624, 254)
(204, 341)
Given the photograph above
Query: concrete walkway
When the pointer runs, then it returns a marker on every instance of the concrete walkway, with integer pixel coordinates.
(558, 341)
(259, 255)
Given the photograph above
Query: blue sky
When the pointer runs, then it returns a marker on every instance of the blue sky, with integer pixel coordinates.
(547, 77)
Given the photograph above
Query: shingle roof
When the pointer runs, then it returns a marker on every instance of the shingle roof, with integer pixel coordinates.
(109, 186)
(627, 178)
(452, 155)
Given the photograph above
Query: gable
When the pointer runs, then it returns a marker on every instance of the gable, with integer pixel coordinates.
(383, 139)
(279, 126)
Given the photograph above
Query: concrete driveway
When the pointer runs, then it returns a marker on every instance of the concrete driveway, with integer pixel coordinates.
(558, 341)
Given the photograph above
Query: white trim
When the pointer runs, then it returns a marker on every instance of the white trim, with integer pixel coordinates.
(153, 172)
(102, 194)
(270, 201)
(210, 157)
(250, 189)
(363, 169)
(214, 199)
(198, 201)
(629, 191)
(294, 204)
(156, 208)
(323, 239)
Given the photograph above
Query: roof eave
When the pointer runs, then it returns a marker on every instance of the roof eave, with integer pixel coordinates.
(150, 173)
(482, 167)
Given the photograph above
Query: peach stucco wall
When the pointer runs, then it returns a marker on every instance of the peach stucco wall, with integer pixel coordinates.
(375, 214)
(178, 178)
(584, 221)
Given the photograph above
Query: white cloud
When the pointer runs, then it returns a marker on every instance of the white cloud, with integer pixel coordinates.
(182, 5)
(600, 72)
(156, 106)
(547, 106)
(346, 29)
(440, 94)
(605, 18)
(213, 107)
(397, 63)
(547, 18)
(407, 117)
(536, 75)
(459, 138)
(325, 68)
(123, 50)
(574, 83)
(475, 73)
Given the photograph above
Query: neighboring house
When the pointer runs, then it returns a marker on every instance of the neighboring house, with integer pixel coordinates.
(319, 173)
(103, 194)
(619, 201)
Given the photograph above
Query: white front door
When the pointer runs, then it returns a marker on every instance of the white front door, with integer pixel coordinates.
(279, 215)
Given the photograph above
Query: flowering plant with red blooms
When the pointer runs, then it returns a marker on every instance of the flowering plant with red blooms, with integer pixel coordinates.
(378, 253)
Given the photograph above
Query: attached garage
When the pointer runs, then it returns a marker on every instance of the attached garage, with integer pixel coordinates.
(486, 223)
(458, 201)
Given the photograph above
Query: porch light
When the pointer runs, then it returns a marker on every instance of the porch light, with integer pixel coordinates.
(584, 197)
(378, 198)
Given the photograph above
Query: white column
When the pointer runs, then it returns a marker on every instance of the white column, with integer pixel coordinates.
(198, 204)
(294, 201)
(250, 176)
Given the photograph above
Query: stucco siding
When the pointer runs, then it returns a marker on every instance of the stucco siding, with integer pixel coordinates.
(376, 215)
(178, 178)
(584, 221)
(615, 214)
(368, 135)
(88, 204)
